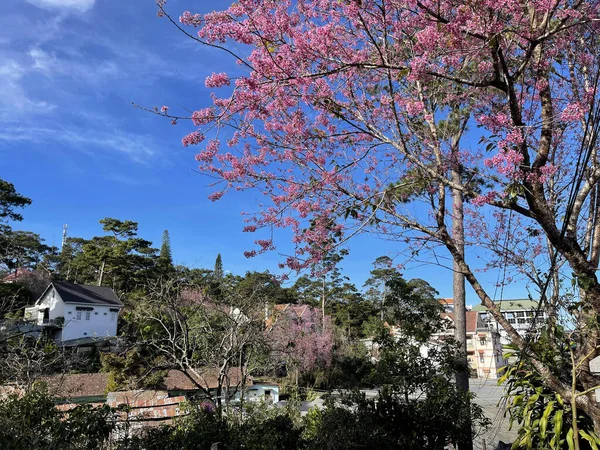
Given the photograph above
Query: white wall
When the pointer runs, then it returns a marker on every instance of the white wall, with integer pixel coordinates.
(257, 392)
(52, 301)
(101, 322)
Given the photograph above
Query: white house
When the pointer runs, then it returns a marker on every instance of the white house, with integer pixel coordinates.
(76, 311)
(268, 392)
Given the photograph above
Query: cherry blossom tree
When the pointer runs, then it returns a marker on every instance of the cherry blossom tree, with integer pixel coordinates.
(300, 337)
(372, 115)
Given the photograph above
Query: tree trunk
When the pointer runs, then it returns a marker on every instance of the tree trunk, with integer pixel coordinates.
(101, 276)
(460, 299)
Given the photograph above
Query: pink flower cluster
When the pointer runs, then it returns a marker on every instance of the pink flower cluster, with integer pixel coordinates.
(217, 80)
(194, 20)
(414, 108)
(484, 199)
(506, 162)
(194, 138)
(211, 150)
(573, 112)
(202, 116)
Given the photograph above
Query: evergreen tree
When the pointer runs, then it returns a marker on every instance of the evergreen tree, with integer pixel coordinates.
(9, 200)
(218, 271)
(165, 257)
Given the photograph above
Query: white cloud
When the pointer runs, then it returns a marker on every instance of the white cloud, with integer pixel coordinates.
(78, 70)
(42, 60)
(65, 5)
(14, 98)
(138, 147)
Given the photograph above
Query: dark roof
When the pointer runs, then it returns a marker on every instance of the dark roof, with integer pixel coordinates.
(85, 294)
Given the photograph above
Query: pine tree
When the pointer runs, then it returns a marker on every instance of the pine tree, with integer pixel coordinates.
(218, 270)
(165, 249)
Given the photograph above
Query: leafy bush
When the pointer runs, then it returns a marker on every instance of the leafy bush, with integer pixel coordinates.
(32, 422)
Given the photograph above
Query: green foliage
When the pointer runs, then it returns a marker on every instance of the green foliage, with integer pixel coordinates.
(218, 272)
(165, 258)
(350, 368)
(120, 259)
(32, 422)
(10, 199)
(414, 307)
(259, 428)
(22, 249)
(389, 422)
(545, 419)
(13, 298)
(131, 370)
(262, 285)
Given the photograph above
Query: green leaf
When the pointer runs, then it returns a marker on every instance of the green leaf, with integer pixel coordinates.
(592, 439)
(544, 419)
(558, 422)
(570, 441)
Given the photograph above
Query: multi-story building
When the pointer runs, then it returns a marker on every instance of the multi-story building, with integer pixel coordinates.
(522, 314)
(484, 350)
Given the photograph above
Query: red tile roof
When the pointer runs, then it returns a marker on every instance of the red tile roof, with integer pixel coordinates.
(179, 381)
(95, 384)
(77, 385)
(471, 320)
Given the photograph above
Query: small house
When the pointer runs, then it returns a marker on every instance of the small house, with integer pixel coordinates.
(76, 311)
(267, 392)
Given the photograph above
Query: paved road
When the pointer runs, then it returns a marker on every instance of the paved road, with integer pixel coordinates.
(488, 395)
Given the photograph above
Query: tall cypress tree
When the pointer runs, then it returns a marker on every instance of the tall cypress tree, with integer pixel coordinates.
(165, 258)
(218, 270)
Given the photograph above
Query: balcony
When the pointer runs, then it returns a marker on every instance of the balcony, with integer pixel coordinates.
(56, 323)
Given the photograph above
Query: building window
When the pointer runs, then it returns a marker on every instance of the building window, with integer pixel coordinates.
(520, 314)
(481, 358)
(482, 340)
(512, 321)
(521, 320)
(88, 314)
(78, 316)
(509, 315)
(530, 314)
(113, 316)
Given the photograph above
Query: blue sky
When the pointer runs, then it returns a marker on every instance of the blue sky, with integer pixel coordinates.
(71, 140)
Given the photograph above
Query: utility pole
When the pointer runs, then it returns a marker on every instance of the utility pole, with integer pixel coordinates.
(64, 236)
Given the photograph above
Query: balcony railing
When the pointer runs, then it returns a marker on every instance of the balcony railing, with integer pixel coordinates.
(58, 322)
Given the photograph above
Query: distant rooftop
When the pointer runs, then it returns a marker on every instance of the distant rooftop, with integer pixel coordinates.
(511, 305)
(471, 324)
